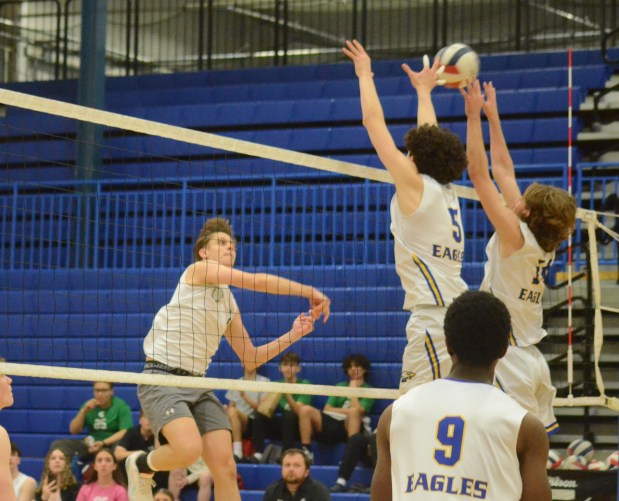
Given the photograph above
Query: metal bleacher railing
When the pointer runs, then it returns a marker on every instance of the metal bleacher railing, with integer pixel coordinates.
(42, 39)
(151, 224)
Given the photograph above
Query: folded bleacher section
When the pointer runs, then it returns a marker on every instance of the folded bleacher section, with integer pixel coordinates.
(53, 313)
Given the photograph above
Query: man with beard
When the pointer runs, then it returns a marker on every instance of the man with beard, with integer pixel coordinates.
(296, 483)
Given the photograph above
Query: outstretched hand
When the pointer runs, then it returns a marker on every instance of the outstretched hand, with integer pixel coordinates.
(303, 325)
(428, 78)
(491, 110)
(320, 305)
(473, 98)
(355, 51)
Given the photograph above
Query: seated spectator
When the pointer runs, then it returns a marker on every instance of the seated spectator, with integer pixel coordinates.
(341, 417)
(284, 424)
(106, 419)
(138, 438)
(57, 480)
(241, 409)
(106, 482)
(197, 472)
(296, 482)
(360, 448)
(24, 485)
(163, 495)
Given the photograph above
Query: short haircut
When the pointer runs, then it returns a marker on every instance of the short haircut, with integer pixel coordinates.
(437, 152)
(357, 359)
(290, 358)
(477, 328)
(552, 214)
(104, 382)
(214, 225)
(290, 452)
(15, 449)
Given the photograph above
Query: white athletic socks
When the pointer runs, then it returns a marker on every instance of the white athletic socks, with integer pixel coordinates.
(237, 448)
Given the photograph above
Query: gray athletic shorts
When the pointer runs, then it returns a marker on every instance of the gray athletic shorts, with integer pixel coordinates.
(164, 404)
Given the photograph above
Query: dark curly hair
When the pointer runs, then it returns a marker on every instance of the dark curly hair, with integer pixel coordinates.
(552, 214)
(477, 327)
(359, 360)
(214, 225)
(437, 152)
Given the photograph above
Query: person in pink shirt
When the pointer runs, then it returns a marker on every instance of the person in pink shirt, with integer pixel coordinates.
(107, 483)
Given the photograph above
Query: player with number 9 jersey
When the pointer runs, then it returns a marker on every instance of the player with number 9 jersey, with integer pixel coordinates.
(455, 440)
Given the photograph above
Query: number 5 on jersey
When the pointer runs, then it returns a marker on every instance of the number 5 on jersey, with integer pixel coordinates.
(450, 434)
(457, 233)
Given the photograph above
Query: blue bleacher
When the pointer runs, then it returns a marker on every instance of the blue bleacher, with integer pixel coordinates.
(97, 318)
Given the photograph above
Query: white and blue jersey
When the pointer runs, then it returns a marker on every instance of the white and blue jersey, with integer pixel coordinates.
(454, 440)
(519, 281)
(429, 247)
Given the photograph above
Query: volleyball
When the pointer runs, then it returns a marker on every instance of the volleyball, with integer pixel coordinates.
(461, 64)
(554, 460)
(597, 465)
(612, 461)
(574, 463)
(581, 447)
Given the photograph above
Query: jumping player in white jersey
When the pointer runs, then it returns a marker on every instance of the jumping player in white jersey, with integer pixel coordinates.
(461, 437)
(425, 216)
(183, 339)
(528, 231)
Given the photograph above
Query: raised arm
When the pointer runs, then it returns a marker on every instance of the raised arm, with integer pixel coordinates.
(424, 82)
(502, 218)
(381, 480)
(76, 426)
(500, 159)
(532, 455)
(253, 357)
(214, 273)
(404, 172)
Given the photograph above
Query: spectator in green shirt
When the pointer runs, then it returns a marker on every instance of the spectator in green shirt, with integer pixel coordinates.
(105, 418)
(284, 424)
(342, 417)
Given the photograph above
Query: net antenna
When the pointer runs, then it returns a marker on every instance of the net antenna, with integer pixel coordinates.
(570, 352)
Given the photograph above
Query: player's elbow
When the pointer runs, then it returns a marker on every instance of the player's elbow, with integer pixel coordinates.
(371, 119)
(477, 172)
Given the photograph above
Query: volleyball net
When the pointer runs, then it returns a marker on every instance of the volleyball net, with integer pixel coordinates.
(90, 255)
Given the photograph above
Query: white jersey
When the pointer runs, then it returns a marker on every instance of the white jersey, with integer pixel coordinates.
(429, 247)
(18, 482)
(519, 281)
(186, 332)
(454, 440)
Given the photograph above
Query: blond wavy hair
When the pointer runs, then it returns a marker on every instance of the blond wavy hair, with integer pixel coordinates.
(551, 214)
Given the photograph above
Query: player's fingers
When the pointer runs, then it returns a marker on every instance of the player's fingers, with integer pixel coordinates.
(407, 70)
(326, 312)
(440, 82)
(440, 70)
(426, 61)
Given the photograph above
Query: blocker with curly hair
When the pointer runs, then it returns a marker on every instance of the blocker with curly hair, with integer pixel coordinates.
(437, 152)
